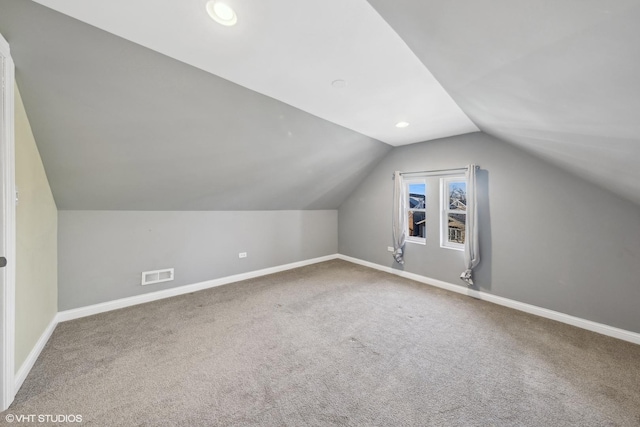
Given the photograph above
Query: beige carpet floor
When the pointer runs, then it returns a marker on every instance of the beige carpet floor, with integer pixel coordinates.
(331, 344)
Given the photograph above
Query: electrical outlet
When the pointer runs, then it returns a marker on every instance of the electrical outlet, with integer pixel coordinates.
(390, 248)
(242, 255)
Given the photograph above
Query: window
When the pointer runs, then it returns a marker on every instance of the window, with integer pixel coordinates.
(416, 211)
(453, 212)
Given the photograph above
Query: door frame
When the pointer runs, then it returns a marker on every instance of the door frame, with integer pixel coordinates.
(7, 227)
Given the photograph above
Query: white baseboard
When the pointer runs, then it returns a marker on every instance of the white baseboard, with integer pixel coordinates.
(77, 313)
(589, 325)
(90, 310)
(24, 370)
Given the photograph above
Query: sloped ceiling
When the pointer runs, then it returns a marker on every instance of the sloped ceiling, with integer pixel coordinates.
(293, 50)
(560, 78)
(121, 127)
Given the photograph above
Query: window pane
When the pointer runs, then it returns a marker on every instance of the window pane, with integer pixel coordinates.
(458, 196)
(417, 195)
(416, 224)
(456, 227)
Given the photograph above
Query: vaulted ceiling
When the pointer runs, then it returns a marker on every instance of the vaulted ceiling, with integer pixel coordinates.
(560, 78)
(150, 105)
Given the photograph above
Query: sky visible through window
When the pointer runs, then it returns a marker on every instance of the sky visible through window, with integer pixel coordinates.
(458, 185)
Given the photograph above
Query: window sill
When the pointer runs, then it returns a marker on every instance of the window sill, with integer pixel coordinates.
(453, 248)
(418, 242)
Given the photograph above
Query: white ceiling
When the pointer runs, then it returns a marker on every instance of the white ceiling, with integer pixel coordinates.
(292, 50)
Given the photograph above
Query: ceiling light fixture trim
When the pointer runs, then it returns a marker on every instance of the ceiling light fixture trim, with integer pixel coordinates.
(222, 13)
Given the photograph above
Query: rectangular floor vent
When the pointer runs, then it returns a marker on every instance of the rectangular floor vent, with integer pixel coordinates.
(157, 276)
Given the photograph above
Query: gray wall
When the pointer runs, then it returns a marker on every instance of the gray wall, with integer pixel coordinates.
(102, 253)
(547, 237)
(180, 138)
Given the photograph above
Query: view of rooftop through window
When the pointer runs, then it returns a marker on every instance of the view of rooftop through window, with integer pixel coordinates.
(416, 210)
(457, 212)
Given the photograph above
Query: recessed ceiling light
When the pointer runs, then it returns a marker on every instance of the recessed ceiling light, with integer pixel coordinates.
(339, 84)
(402, 124)
(221, 13)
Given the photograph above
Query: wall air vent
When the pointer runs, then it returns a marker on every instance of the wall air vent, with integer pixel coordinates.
(157, 276)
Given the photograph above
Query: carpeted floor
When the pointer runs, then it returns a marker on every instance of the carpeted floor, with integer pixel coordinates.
(331, 344)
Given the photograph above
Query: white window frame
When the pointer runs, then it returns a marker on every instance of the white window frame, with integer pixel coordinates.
(415, 239)
(445, 211)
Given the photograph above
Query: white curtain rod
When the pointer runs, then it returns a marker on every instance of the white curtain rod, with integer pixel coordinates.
(437, 171)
